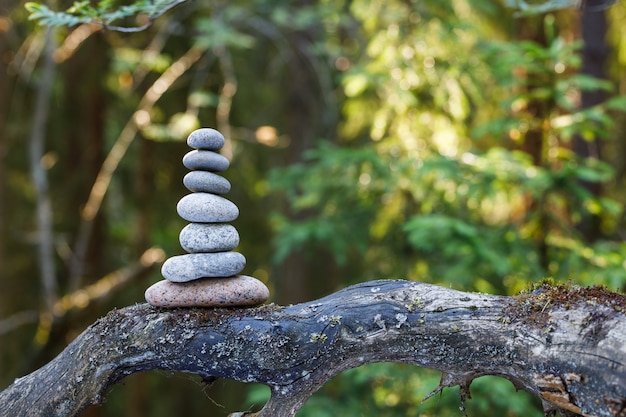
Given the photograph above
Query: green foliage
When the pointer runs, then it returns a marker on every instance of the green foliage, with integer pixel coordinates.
(555, 87)
(345, 211)
(430, 203)
(221, 33)
(526, 8)
(45, 16)
(104, 12)
(107, 12)
(389, 390)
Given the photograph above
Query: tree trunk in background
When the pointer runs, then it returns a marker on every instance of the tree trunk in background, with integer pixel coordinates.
(85, 119)
(594, 55)
(4, 98)
(46, 257)
(95, 138)
(5, 94)
(296, 280)
(143, 193)
(531, 28)
(139, 395)
(19, 280)
(80, 119)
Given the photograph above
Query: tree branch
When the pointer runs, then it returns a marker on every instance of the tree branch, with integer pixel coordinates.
(108, 284)
(564, 345)
(17, 320)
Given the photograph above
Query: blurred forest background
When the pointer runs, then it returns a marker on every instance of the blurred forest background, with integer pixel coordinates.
(457, 142)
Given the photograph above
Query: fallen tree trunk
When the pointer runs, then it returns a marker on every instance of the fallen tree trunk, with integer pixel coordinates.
(564, 345)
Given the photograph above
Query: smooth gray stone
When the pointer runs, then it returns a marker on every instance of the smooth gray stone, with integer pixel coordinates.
(203, 237)
(184, 268)
(206, 138)
(206, 208)
(240, 290)
(206, 161)
(207, 182)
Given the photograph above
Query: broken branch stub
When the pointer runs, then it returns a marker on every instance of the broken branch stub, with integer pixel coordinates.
(565, 346)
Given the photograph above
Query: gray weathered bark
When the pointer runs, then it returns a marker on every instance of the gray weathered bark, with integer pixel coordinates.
(566, 345)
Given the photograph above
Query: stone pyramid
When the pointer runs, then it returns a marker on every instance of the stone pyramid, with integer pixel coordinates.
(208, 274)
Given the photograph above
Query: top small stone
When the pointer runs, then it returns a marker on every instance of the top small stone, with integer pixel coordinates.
(206, 138)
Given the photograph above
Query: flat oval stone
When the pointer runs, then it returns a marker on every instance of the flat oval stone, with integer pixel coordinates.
(206, 138)
(183, 268)
(240, 290)
(207, 182)
(206, 161)
(208, 237)
(206, 208)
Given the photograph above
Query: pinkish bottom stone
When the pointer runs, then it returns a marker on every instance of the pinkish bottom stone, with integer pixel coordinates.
(239, 290)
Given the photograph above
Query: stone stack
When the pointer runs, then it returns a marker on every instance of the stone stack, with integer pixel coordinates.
(207, 275)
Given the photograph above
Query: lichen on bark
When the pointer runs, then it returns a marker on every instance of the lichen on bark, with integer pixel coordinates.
(564, 345)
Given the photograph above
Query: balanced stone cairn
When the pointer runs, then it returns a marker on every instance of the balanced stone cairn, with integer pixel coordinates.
(207, 276)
